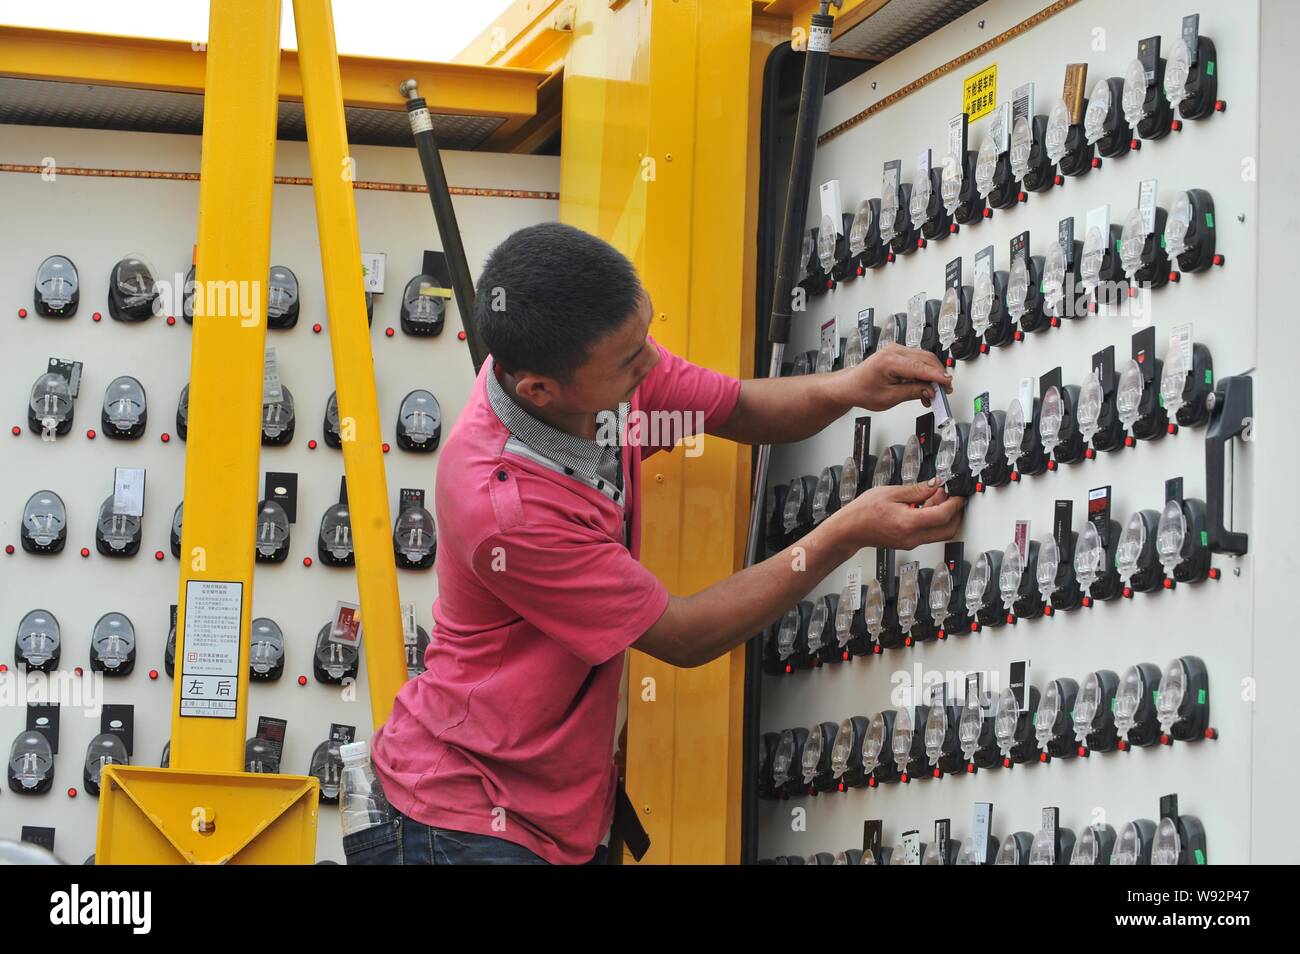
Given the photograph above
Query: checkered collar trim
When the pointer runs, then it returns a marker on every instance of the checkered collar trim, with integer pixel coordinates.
(596, 464)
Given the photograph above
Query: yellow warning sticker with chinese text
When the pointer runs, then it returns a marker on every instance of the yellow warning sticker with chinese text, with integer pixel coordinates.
(979, 93)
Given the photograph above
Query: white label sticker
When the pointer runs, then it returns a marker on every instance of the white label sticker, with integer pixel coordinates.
(1026, 398)
(831, 207)
(1023, 102)
(853, 580)
(1180, 343)
(208, 646)
(979, 827)
(911, 848)
(923, 166)
(271, 390)
(373, 266)
(954, 137)
(128, 491)
(819, 39)
(1099, 218)
(1022, 540)
(1147, 204)
(830, 339)
(1000, 127)
(346, 628)
(420, 120)
(939, 405)
(409, 633)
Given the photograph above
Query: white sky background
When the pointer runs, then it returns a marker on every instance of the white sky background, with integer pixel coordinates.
(395, 29)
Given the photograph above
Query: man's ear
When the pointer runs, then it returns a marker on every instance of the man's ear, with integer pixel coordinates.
(536, 389)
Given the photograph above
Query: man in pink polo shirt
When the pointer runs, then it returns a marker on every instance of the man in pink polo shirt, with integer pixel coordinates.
(502, 750)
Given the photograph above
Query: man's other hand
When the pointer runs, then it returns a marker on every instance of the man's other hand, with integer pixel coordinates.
(894, 375)
(890, 518)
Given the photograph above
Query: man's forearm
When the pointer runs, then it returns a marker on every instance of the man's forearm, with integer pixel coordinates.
(696, 629)
(784, 410)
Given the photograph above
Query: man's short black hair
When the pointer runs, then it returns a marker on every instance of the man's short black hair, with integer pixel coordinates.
(548, 293)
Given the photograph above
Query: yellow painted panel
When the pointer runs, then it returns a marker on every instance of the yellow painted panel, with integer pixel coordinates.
(354, 373)
(657, 159)
(234, 251)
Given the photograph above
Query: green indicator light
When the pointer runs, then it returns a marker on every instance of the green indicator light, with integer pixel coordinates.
(1209, 68)
(1200, 698)
(1205, 538)
(1209, 220)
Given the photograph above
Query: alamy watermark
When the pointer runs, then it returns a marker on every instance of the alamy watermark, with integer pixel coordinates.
(653, 429)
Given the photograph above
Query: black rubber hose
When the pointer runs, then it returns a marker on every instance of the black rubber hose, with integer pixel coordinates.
(793, 223)
(435, 178)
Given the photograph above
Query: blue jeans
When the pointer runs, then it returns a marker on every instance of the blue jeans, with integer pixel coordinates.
(405, 841)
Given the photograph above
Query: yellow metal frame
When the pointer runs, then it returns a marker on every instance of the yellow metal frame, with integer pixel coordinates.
(508, 92)
(205, 809)
(354, 370)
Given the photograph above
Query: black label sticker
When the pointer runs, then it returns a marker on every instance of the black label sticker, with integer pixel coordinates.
(1191, 33)
(36, 835)
(1020, 246)
(862, 444)
(272, 730)
(942, 827)
(43, 717)
(342, 734)
(925, 433)
(1065, 235)
(1062, 532)
(1169, 807)
(872, 834)
(1103, 362)
(1052, 379)
(343, 489)
(885, 569)
(119, 719)
(952, 274)
(435, 264)
(1018, 683)
(283, 489)
(952, 556)
(1099, 512)
(411, 497)
(1174, 489)
(1144, 352)
(1149, 56)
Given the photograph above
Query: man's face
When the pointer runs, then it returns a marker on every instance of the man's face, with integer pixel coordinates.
(617, 365)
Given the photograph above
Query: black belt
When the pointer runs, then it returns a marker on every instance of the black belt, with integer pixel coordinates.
(627, 829)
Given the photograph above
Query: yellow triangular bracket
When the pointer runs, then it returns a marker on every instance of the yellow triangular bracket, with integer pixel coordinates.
(154, 816)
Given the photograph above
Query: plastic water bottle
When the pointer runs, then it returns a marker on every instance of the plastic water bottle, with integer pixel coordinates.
(361, 797)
